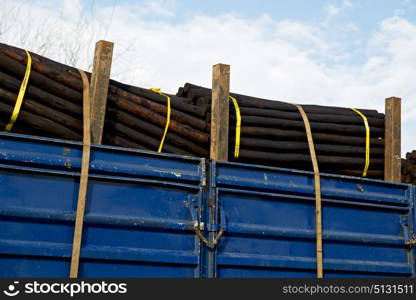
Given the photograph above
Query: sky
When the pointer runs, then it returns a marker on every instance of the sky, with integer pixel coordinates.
(344, 53)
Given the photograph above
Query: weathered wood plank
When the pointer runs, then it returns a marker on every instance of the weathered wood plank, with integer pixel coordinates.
(220, 112)
(392, 167)
(100, 79)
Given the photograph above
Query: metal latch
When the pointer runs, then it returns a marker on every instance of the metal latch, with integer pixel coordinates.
(200, 226)
(222, 227)
(409, 241)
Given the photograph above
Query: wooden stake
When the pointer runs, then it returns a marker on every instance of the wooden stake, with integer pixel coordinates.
(100, 79)
(392, 159)
(220, 112)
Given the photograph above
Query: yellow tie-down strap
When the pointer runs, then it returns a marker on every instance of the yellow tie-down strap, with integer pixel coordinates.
(237, 128)
(21, 94)
(167, 118)
(367, 142)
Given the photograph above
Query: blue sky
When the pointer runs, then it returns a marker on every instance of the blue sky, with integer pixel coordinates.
(344, 53)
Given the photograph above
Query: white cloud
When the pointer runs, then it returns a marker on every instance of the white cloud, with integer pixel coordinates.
(72, 8)
(285, 59)
(333, 10)
(164, 8)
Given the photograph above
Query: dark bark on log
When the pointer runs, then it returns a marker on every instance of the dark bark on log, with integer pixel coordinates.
(324, 169)
(42, 124)
(18, 70)
(183, 130)
(42, 110)
(56, 71)
(249, 101)
(290, 146)
(38, 94)
(321, 118)
(376, 174)
(143, 139)
(411, 156)
(302, 158)
(353, 130)
(161, 109)
(20, 128)
(115, 140)
(322, 138)
(177, 102)
(155, 131)
(408, 167)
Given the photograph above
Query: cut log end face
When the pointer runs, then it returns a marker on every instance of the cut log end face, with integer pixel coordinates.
(409, 168)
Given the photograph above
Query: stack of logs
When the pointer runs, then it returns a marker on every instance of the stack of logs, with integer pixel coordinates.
(272, 132)
(409, 168)
(135, 117)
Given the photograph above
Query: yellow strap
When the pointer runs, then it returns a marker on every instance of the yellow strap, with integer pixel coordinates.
(167, 118)
(21, 94)
(367, 142)
(318, 203)
(237, 128)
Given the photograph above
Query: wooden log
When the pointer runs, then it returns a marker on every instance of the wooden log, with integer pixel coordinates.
(307, 166)
(411, 156)
(23, 129)
(42, 124)
(11, 66)
(249, 101)
(354, 119)
(181, 129)
(155, 131)
(161, 109)
(322, 159)
(376, 174)
(220, 112)
(56, 71)
(70, 77)
(392, 171)
(177, 102)
(407, 178)
(408, 167)
(42, 110)
(354, 130)
(40, 95)
(115, 140)
(291, 146)
(142, 139)
(180, 92)
(322, 138)
(99, 88)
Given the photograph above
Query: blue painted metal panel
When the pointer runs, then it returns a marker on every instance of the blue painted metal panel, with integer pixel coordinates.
(137, 221)
(270, 224)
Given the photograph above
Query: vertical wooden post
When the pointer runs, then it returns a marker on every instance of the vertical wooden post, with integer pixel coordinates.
(99, 88)
(220, 112)
(392, 157)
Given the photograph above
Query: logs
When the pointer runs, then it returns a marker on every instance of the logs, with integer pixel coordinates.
(409, 168)
(272, 132)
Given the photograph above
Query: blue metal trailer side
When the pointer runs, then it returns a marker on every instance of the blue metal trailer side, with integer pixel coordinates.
(142, 209)
(137, 221)
(269, 216)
